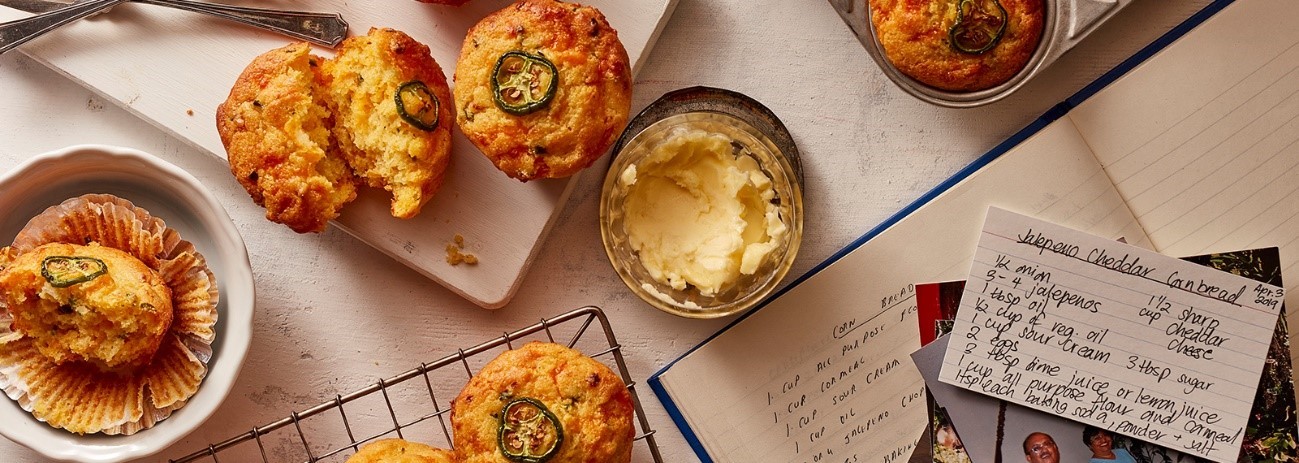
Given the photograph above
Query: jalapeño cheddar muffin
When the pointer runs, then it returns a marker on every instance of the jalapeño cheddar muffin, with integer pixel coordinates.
(276, 130)
(958, 45)
(300, 131)
(543, 88)
(87, 303)
(543, 402)
(400, 451)
(107, 317)
(392, 119)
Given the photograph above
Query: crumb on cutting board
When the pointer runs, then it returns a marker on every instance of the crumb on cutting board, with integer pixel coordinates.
(454, 254)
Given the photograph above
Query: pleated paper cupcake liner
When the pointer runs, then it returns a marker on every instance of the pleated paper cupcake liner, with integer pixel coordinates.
(82, 397)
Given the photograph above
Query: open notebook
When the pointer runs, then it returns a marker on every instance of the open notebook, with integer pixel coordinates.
(1191, 147)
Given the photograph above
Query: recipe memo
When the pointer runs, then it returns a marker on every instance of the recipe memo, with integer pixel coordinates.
(1112, 335)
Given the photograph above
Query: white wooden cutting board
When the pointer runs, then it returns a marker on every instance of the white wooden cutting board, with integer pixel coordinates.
(173, 68)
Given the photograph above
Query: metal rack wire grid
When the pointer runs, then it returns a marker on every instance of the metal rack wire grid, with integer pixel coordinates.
(333, 430)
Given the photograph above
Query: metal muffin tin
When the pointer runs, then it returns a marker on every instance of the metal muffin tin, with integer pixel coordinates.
(1066, 23)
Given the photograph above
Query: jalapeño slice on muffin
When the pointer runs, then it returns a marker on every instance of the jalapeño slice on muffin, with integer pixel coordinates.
(979, 25)
(417, 105)
(65, 271)
(523, 83)
(529, 433)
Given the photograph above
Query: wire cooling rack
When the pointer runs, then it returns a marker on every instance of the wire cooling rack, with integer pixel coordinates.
(334, 430)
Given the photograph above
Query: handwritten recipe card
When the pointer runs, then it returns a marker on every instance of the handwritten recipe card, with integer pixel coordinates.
(1112, 335)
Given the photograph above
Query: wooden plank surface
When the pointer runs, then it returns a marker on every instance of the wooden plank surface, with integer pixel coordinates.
(172, 68)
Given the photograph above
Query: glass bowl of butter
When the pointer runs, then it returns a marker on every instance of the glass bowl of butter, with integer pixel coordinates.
(701, 214)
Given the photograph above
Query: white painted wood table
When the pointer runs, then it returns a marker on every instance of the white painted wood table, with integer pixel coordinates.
(334, 315)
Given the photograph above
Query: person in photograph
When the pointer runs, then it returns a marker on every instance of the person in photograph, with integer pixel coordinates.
(1039, 447)
(1101, 443)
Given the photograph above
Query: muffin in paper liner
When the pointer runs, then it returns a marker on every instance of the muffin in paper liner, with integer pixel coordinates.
(82, 397)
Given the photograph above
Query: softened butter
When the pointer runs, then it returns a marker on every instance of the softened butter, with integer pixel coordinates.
(700, 212)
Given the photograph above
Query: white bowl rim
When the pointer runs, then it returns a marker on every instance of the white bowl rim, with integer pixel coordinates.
(234, 326)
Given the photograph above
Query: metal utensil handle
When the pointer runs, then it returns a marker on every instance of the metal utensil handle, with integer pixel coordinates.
(326, 29)
(18, 32)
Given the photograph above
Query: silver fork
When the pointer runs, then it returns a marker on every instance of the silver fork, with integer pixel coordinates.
(326, 29)
(18, 32)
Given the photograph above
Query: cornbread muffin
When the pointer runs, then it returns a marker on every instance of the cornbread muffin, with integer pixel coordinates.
(276, 131)
(400, 451)
(543, 402)
(993, 40)
(301, 131)
(87, 303)
(542, 88)
(387, 93)
(80, 309)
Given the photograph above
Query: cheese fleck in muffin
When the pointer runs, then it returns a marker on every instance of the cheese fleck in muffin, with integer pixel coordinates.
(404, 148)
(543, 402)
(542, 88)
(275, 128)
(400, 451)
(992, 42)
(87, 303)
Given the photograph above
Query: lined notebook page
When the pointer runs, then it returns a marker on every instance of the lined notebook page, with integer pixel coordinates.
(1202, 140)
(823, 372)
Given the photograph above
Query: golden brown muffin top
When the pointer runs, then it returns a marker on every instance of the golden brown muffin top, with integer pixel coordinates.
(400, 451)
(545, 385)
(917, 38)
(590, 103)
(87, 303)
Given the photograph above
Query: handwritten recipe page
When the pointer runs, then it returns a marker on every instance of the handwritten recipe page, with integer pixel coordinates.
(1112, 335)
(856, 398)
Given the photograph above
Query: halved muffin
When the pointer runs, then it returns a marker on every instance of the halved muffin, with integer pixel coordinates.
(392, 120)
(300, 131)
(276, 130)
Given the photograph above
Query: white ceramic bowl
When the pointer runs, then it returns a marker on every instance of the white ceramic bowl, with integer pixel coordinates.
(184, 204)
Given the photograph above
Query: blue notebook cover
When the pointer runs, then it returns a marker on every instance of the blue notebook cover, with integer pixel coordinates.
(1050, 116)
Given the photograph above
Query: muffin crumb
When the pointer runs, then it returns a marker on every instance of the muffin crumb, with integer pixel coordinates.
(455, 256)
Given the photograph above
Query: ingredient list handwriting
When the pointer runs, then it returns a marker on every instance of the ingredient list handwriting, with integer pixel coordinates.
(834, 404)
(1112, 335)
